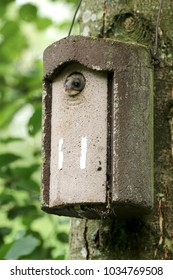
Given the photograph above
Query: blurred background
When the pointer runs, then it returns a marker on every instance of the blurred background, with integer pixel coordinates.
(26, 29)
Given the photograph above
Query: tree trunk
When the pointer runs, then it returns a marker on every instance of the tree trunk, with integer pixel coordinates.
(150, 237)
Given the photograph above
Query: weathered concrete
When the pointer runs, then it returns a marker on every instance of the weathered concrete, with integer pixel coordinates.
(98, 145)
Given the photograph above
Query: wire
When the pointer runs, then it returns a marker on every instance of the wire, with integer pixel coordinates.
(74, 17)
(157, 28)
(156, 31)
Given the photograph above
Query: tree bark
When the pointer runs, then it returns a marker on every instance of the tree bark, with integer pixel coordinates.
(150, 237)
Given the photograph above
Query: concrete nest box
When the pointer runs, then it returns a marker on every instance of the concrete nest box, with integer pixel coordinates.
(97, 129)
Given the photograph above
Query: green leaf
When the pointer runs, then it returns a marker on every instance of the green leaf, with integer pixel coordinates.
(5, 231)
(6, 2)
(25, 172)
(9, 28)
(63, 237)
(34, 124)
(60, 257)
(43, 23)
(6, 199)
(4, 249)
(28, 12)
(11, 49)
(13, 41)
(29, 185)
(17, 211)
(3, 6)
(7, 111)
(22, 247)
(10, 139)
(6, 159)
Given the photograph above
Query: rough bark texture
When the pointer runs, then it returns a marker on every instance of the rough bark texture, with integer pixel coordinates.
(150, 237)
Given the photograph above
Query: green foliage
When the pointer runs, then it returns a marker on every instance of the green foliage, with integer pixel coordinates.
(28, 12)
(6, 159)
(22, 247)
(25, 231)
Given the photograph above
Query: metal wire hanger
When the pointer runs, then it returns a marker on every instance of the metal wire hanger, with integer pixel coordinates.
(74, 17)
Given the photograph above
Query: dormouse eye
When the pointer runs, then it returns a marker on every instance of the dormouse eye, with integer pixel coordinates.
(76, 84)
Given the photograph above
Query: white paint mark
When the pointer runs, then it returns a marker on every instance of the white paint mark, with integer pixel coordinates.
(60, 152)
(83, 152)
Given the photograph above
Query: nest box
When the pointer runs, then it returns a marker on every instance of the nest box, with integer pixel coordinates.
(97, 128)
